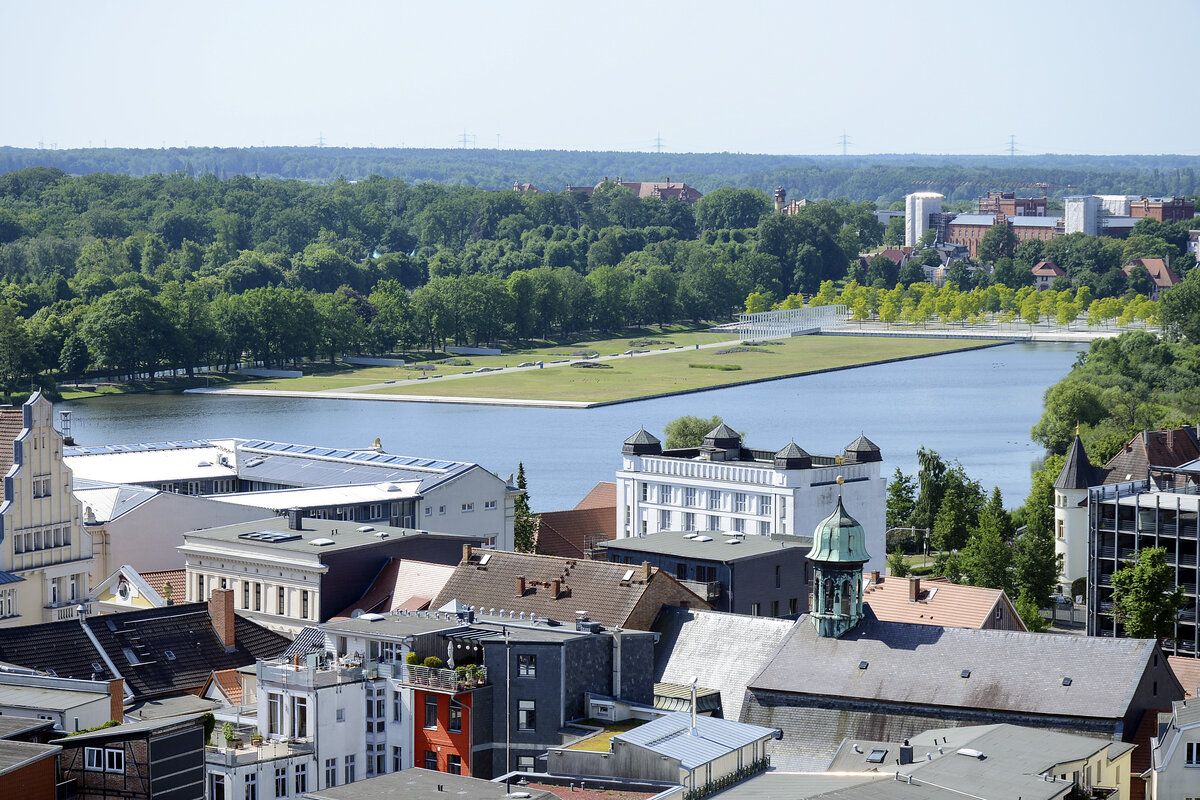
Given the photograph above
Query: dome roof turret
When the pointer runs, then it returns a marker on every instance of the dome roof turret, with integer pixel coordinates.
(839, 539)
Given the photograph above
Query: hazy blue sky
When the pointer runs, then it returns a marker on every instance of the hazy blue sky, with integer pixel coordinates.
(777, 77)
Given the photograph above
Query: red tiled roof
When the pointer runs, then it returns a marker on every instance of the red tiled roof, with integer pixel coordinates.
(1187, 672)
(11, 423)
(602, 495)
(230, 684)
(401, 584)
(572, 533)
(940, 602)
(1049, 269)
(159, 579)
(1166, 448)
(1162, 275)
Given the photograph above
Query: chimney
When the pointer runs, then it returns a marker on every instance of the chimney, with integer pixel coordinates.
(646, 570)
(116, 699)
(914, 589)
(555, 588)
(694, 733)
(875, 577)
(906, 754)
(521, 586)
(294, 516)
(220, 609)
(466, 553)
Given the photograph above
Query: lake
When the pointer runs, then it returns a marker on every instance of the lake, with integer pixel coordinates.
(975, 406)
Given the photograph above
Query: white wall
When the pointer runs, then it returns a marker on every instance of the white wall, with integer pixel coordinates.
(476, 487)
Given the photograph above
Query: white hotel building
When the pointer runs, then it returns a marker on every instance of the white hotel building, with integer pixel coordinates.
(724, 487)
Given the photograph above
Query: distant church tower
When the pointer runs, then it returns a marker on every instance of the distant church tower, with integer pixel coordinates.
(838, 553)
(780, 199)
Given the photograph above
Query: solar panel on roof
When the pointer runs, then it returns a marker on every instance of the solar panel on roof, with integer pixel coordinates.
(340, 454)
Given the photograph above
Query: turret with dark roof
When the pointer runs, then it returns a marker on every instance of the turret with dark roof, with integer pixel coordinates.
(838, 553)
(723, 437)
(1077, 472)
(862, 451)
(793, 457)
(642, 443)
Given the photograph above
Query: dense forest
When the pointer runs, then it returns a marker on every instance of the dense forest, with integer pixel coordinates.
(878, 178)
(135, 274)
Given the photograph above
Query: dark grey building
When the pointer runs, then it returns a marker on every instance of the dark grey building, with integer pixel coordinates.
(756, 575)
(1160, 510)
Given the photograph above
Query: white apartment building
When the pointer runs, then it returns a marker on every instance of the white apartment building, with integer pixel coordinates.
(724, 487)
(45, 552)
(1175, 769)
(348, 485)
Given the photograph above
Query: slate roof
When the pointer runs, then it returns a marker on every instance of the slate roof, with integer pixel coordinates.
(597, 587)
(12, 421)
(1077, 472)
(573, 533)
(722, 650)
(863, 450)
(642, 436)
(671, 735)
(310, 639)
(921, 664)
(939, 602)
(136, 644)
(16, 727)
(677, 543)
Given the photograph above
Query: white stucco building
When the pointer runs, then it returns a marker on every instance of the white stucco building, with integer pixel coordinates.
(917, 208)
(1175, 770)
(723, 486)
(45, 552)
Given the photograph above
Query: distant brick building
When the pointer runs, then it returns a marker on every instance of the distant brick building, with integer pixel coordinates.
(662, 190)
(1163, 209)
(1009, 204)
(1162, 275)
(968, 230)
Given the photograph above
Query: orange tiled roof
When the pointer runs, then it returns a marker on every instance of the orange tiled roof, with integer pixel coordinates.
(939, 602)
(159, 579)
(401, 584)
(230, 684)
(1162, 275)
(11, 423)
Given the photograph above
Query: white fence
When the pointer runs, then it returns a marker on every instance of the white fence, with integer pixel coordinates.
(790, 322)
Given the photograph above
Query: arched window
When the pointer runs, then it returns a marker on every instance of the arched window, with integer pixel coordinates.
(845, 598)
(828, 604)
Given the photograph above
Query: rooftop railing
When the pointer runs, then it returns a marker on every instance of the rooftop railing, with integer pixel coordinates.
(446, 680)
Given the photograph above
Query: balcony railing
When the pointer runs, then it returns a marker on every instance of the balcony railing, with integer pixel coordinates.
(269, 750)
(446, 680)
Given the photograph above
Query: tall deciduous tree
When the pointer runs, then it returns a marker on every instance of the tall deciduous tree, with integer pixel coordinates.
(1146, 599)
(688, 431)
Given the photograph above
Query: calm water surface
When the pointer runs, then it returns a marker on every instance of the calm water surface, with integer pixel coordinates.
(976, 407)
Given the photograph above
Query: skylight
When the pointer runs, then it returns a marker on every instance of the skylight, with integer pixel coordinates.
(877, 756)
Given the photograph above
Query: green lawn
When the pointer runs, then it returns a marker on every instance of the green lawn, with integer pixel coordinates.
(669, 372)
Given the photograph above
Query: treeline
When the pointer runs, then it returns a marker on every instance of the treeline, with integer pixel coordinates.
(135, 274)
(878, 178)
(1121, 386)
(976, 540)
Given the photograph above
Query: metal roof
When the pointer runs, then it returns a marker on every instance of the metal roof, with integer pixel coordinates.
(280, 500)
(339, 535)
(719, 547)
(40, 697)
(673, 736)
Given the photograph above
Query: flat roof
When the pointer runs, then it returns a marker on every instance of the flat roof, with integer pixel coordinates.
(14, 755)
(330, 535)
(691, 544)
(418, 783)
(318, 497)
(162, 462)
(40, 697)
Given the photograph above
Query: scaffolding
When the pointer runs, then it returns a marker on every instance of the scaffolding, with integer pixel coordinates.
(790, 322)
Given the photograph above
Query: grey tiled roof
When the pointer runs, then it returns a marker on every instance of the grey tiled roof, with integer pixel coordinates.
(922, 664)
(1077, 472)
(642, 437)
(722, 650)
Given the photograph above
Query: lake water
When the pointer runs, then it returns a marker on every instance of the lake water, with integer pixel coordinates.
(976, 407)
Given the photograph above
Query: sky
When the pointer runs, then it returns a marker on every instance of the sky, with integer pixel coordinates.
(1085, 76)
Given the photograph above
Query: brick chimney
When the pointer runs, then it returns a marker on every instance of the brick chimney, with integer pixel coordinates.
(875, 579)
(116, 699)
(914, 589)
(220, 609)
(521, 586)
(466, 553)
(555, 588)
(646, 570)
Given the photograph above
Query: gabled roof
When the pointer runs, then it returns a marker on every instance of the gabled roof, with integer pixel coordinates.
(673, 736)
(1187, 672)
(158, 580)
(1162, 275)
(226, 681)
(157, 651)
(611, 594)
(1165, 448)
(1048, 269)
(1077, 472)
(573, 533)
(398, 583)
(128, 574)
(722, 651)
(939, 602)
(723, 431)
(922, 665)
(602, 495)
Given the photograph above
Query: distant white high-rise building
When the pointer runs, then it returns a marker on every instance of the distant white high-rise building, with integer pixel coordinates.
(1082, 214)
(917, 208)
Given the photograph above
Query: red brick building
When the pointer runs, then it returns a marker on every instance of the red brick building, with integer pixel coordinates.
(968, 230)
(1010, 205)
(1163, 209)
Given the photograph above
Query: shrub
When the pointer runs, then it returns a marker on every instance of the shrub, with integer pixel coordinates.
(412, 658)
(433, 662)
(722, 367)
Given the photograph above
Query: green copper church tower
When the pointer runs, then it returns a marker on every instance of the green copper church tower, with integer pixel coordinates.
(838, 553)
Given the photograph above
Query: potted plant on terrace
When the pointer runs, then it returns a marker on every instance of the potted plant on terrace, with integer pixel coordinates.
(232, 740)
